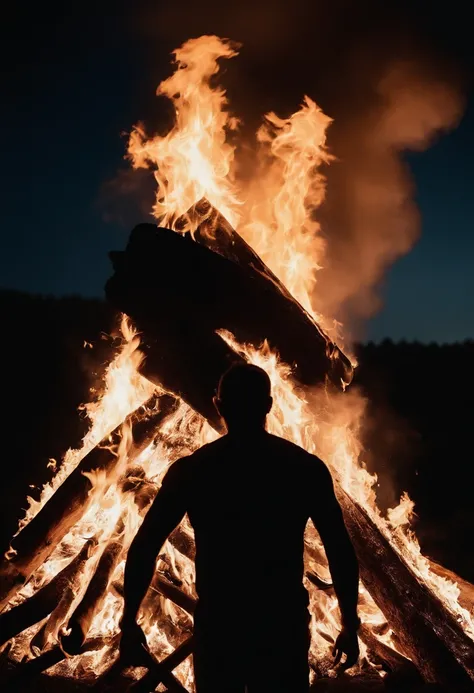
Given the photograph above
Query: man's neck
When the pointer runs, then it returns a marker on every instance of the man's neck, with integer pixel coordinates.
(246, 430)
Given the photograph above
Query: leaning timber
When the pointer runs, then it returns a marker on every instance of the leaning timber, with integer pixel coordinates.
(180, 293)
(174, 594)
(429, 635)
(389, 659)
(91, 602)
(160, 672)
(135, 482)
(38, 539)
(214, 232)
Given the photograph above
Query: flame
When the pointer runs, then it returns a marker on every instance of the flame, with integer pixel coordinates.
(194, 159)
(281, 224)
(125, 390)
(276, 213)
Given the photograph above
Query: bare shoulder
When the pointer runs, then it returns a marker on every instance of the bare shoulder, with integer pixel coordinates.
(189, 463)
(311, 464)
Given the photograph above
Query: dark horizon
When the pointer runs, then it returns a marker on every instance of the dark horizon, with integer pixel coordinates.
(75, 297)
(89, 75)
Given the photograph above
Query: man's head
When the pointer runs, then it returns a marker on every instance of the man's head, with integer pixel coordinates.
(244, 396)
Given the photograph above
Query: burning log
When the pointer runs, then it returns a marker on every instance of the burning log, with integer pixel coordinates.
(179, 293)
(427, 632)
(318, 582)
(81, 620)
(390, 659)
(51, 629)
(91, 602)
(466, 590)
(41, 604)
(38, 539)
(174, 594)
(315, 559)
(160, 672)
(181, 541)
(33, 667)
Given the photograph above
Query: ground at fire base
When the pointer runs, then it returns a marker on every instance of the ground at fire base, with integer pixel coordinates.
(364, 683)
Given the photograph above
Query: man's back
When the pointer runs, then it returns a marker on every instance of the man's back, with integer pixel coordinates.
(248, 500)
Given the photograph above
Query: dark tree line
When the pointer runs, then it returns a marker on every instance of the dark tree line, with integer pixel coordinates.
(417, 436)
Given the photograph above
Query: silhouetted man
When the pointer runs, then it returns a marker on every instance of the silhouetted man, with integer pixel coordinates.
(248, 496)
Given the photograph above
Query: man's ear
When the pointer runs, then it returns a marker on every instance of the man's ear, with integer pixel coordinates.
(270, 404)
(216, 402)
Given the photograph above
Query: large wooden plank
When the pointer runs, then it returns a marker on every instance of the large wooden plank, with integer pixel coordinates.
(180, 292)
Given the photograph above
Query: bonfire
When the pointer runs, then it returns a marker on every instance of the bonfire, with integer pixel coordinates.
(228, 273)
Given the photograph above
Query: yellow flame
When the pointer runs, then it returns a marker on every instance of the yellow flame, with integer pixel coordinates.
(194, 159)
(125, 390)
(281, 224)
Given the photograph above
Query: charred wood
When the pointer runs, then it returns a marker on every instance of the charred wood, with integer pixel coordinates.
(429, 635)
(135, 482)
(180, 292)
(160, 672)
(174, 594)
(214, 232)
(33, 667)
(50, 630)
(184, 543)
(388, 658)
(185, 360)
(81, 620)
(319, 582)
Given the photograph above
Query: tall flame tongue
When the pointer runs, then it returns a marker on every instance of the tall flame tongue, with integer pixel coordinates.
(280, 223)
(193, 160)
(275, 213)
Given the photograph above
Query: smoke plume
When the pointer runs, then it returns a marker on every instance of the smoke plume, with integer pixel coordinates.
(370, 217)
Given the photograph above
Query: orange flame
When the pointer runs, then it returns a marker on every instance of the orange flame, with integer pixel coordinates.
(281, 225)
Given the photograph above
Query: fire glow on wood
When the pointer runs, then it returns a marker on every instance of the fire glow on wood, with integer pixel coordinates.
(61, 580)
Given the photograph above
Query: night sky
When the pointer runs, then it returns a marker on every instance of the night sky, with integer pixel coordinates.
(429, 293)
(78, 78)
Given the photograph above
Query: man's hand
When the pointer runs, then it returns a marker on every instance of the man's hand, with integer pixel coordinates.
(133, 645)
(347, 643)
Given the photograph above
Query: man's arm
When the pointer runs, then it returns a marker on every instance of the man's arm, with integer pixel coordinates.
(167, 510)
(328, 520)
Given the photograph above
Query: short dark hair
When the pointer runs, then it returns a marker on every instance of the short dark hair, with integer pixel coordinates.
(244, 391)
